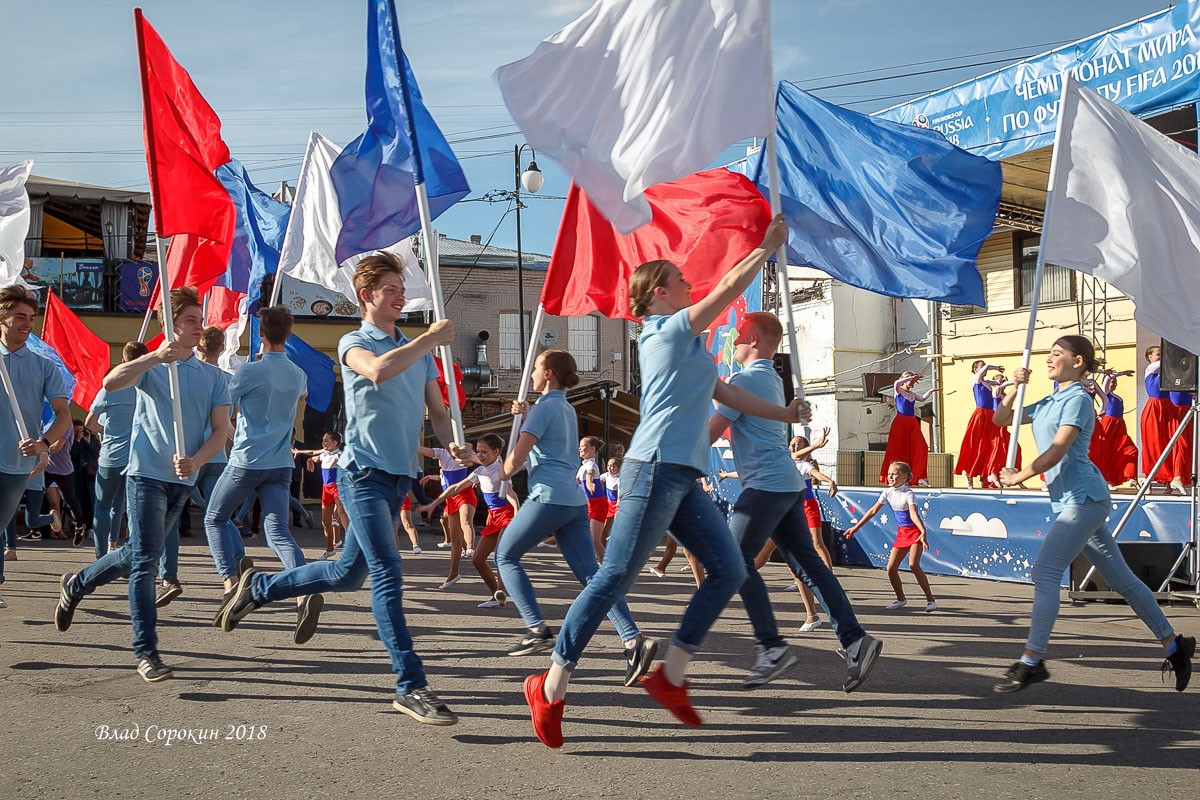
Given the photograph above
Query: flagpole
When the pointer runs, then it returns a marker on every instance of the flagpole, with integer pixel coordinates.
(1036, 295)
(22, 431)
(276, 288)
(434, 278)
(527, 370)
(156, 204)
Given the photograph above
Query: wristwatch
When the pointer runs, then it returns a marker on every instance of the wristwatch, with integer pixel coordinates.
(46, 441)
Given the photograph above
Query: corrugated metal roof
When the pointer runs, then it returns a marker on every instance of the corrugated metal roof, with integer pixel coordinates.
(459, 253)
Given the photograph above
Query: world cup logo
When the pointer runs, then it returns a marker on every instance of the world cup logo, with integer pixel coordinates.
(144, 277)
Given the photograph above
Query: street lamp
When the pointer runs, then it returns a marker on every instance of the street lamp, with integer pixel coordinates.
(531, 179)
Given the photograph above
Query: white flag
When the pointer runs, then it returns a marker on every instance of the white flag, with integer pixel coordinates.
(638, 92)
(307, 253)
(1125, 207)
(14, 221)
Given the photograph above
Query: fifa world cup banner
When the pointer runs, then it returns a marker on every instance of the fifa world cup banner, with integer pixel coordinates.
(138, 279)
(1151, 64)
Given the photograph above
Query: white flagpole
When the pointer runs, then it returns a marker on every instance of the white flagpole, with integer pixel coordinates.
(434, 277)
(531, 355)
(276, 288)
(22, 431)
(1036, 295)
(172, 367)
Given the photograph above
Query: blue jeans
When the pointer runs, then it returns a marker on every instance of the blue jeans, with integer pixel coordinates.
(780, 516)
(372, 499)
(569, 526)
(235, 486)
(109, 508)
(11, 489)
(34, 518)
(154, 508)
(1079, 529)
(654, 497)
(206, 482)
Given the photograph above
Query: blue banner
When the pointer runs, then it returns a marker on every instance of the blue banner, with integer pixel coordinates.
(1151, 64)
(137, 285)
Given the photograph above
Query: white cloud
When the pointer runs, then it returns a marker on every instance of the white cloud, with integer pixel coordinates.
(975, 525)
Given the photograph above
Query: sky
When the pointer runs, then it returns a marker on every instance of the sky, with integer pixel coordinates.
(276, 69)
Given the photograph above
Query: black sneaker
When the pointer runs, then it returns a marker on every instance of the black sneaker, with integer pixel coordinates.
(167, 592)
(860, 660)
(533, 642)
(425, 707)
(225, 598)
(1021, 675)
(78, 536)
(65, 610)
(308, 613)
(152, 669)
(242, 602)
(769, 664)
(639, 658)
(1180, 662)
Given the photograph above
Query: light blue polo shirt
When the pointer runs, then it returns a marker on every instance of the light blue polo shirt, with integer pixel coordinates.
(760, 445)
(34, 379)
(384, 420)
(678, 377)
(1075, 479)
(265, 393)
(222, 456)
(553, 459)
(118, 408)
(202, 387)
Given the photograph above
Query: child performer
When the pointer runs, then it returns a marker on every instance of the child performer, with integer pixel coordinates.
(1158, 422)
(331, 506)
(976, 448)
(593, 489)
(458, 516)
(1118, 460)
(1062, 425)
(612, 492)
(905, 441)
(910, 534)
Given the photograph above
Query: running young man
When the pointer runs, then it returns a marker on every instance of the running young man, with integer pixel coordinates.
(265, 393)
(157, 480)
(34, 379)
(772, 505)
(390, 380)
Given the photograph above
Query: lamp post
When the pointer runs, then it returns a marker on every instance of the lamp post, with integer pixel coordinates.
(532, 179)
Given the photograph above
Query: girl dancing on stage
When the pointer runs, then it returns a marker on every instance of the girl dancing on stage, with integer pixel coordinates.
(980, 435)
(1158, 422)
(1062, 426)
(905, 441)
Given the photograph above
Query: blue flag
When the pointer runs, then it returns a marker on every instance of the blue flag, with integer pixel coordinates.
(402, 146)
(39, 347)
(259, 224)
(890, 208)
(317, 366)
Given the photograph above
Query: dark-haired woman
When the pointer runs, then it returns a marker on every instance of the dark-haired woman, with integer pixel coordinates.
(1062, 427)
(555, 507)
(659, 488)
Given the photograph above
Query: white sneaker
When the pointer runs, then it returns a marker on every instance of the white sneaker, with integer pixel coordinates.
(791, 587)
(544, 543)
(443, 545)
(500, 597)
(686, 568)
(3, 602)
(895, 604)
(769, 664)
(417, 550)
(470, 551)
(1178, 487)
(450, 582)
(809, 627)
(489, 604)
(931, 605)
(656, 572)
(328, 554)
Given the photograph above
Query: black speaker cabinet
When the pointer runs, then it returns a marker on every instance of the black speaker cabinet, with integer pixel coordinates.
(1150, 561)
(1178, 369)
(783, 366)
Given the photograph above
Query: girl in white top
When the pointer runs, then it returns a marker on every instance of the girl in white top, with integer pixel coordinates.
(612, 493)
(593, 489)
(910, 533)
(331, 507)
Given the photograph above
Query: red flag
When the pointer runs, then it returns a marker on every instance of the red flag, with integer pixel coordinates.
(441, 381)
(223, 307)
(86, 355)
(704, 224)
(183, 150)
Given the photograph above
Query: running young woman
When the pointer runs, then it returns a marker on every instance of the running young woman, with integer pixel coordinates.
(669, 452)
(555, 506)
(1062, 426)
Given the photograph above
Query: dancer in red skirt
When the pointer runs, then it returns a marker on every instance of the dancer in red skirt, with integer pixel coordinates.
(1181, 456)
(905, 442)
(1117, 459)
(980, 436)
(1158, 422)
(998, 459)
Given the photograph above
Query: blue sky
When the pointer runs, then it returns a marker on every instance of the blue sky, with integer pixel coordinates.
(276, 69)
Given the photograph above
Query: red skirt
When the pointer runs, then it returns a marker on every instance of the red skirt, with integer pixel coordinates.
(906, 536)
(464, 498)
(1181, 456)
(906, 443)
(976, 446)
(598, 508)
(999, 457)
(1158, 422)
(329, 494)
(812, 515)
(1118, 460)
(498, 519)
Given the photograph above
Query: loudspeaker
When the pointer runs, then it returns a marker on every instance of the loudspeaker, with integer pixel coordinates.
(783, 367)
(1178, 369)
(1150, 562)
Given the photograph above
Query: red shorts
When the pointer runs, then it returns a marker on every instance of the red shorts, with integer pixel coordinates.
(464, 498)
(812, 515)
(598, 508)
(906, 536)
(329, 494)
(407, 504)
(497, 520)
(612, 508)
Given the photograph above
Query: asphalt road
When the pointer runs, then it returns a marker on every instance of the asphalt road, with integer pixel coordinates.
(261, 717)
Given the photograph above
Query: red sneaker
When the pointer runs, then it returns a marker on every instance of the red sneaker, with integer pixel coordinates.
(547, 716)
(671, 697)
